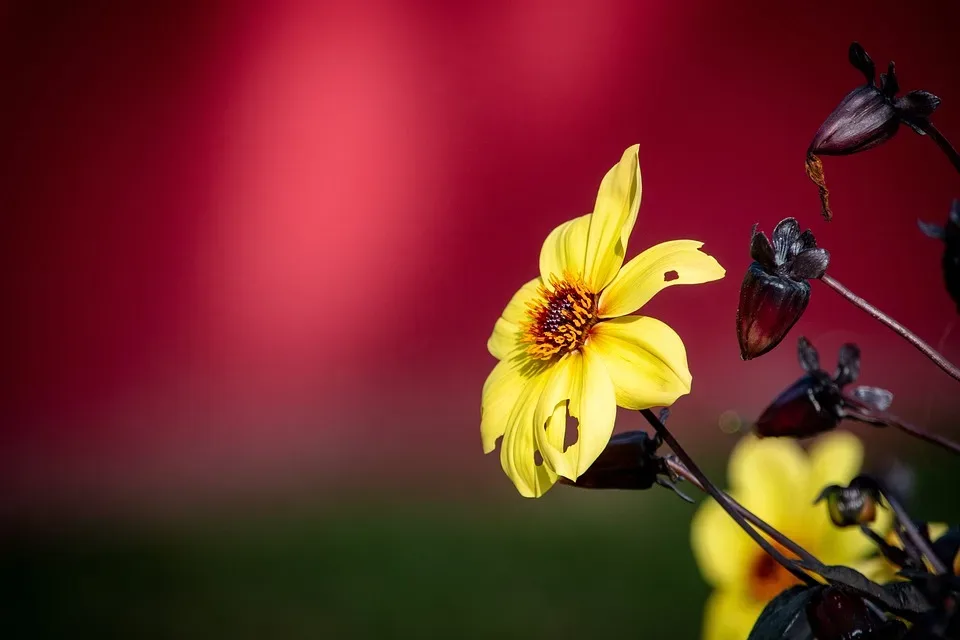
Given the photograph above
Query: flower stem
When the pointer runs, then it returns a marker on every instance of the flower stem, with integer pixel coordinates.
(678, 468)
(863, 413)
(944, 144)
(898, 328)
(912, 534)
(721, 499)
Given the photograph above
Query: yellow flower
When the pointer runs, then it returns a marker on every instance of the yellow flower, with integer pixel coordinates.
(776, 479)
(567, 345)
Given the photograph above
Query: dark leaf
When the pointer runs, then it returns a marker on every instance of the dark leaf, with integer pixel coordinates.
(809, 264)
(918, 104)
(888, 81)
(786, 616)
(848, 364)
(807, 355)
(874, 397)
(862, 61)
(931, 230)
(761, 250)
(907, 596)
(899, 603)
(785, 234)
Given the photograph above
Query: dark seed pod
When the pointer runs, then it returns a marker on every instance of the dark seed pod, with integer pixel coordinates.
(775, 292)
(815, 403)
(853, 505)
(866, 117)
(629, 461)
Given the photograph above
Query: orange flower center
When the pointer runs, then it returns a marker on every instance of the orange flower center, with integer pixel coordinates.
(767, 577)
(560, 319)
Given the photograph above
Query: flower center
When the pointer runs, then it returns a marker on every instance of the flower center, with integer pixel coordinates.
(560, 319)
(767, 578)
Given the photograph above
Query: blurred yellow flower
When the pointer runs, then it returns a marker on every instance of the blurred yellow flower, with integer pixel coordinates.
(567, 345)
(777, 480)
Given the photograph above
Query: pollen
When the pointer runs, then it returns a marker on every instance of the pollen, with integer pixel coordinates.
(560, 318)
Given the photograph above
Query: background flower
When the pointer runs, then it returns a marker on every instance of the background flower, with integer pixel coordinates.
(777, 480)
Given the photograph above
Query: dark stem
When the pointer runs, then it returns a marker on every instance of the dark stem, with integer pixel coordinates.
(720, 497)
(884, 419)
(898, 328)
(679, 469)
(942, 142)
(897, 556)
(911, 535)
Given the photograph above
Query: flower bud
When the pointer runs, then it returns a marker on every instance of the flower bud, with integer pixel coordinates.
(814, 403)
(866, 117)
(853, 505)
(629, 461)
(775, 291)
(950, 263)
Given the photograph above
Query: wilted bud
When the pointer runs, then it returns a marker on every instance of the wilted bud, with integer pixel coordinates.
(814, 403)
(775, 291)
(839, 614)
(950, 235)
(868, 116)
(852, 505)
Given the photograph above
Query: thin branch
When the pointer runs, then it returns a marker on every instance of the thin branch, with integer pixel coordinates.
(944, 144)
(863, 413)
(898, 328)
(679, 469)
(720, 497)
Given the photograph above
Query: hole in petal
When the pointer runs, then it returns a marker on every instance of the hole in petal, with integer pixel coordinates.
(670, 276)
(572, 432)
(537, 458)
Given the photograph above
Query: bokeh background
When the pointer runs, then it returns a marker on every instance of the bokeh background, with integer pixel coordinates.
(253, 251)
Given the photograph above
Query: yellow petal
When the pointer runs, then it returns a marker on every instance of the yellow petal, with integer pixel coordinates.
(580, 385)
(644, 276)
(645, 359)
(500, 393)
(614, 214)
(564, 250)
(835, 458)
(518, 450)
(505, 339)
(721, 548)
(730, 615)
(770, 477)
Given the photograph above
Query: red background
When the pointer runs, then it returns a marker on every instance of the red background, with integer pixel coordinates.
(258, 247)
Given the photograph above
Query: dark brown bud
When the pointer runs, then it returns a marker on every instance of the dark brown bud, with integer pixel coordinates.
(775, 291)
(866, 117)
(950, 263)
(853, 505)
(629, 461)
(814, 403)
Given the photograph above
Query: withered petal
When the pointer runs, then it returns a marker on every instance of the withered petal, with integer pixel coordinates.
(785, 234)
(809, 264)
(874, 397)
(807, 355)
(932, 230)
(888, 81)
(761, 250)
(862, 61)
(917, 104)
(848, 364)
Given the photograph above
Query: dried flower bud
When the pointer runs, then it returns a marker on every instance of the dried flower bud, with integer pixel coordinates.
(852, 505)
(950, 235)
(868, 116)
(814, 403)
(775, 291)
(629, 461)
(839, 614)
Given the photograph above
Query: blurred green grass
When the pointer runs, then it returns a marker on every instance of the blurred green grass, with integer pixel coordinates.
(576, 564)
